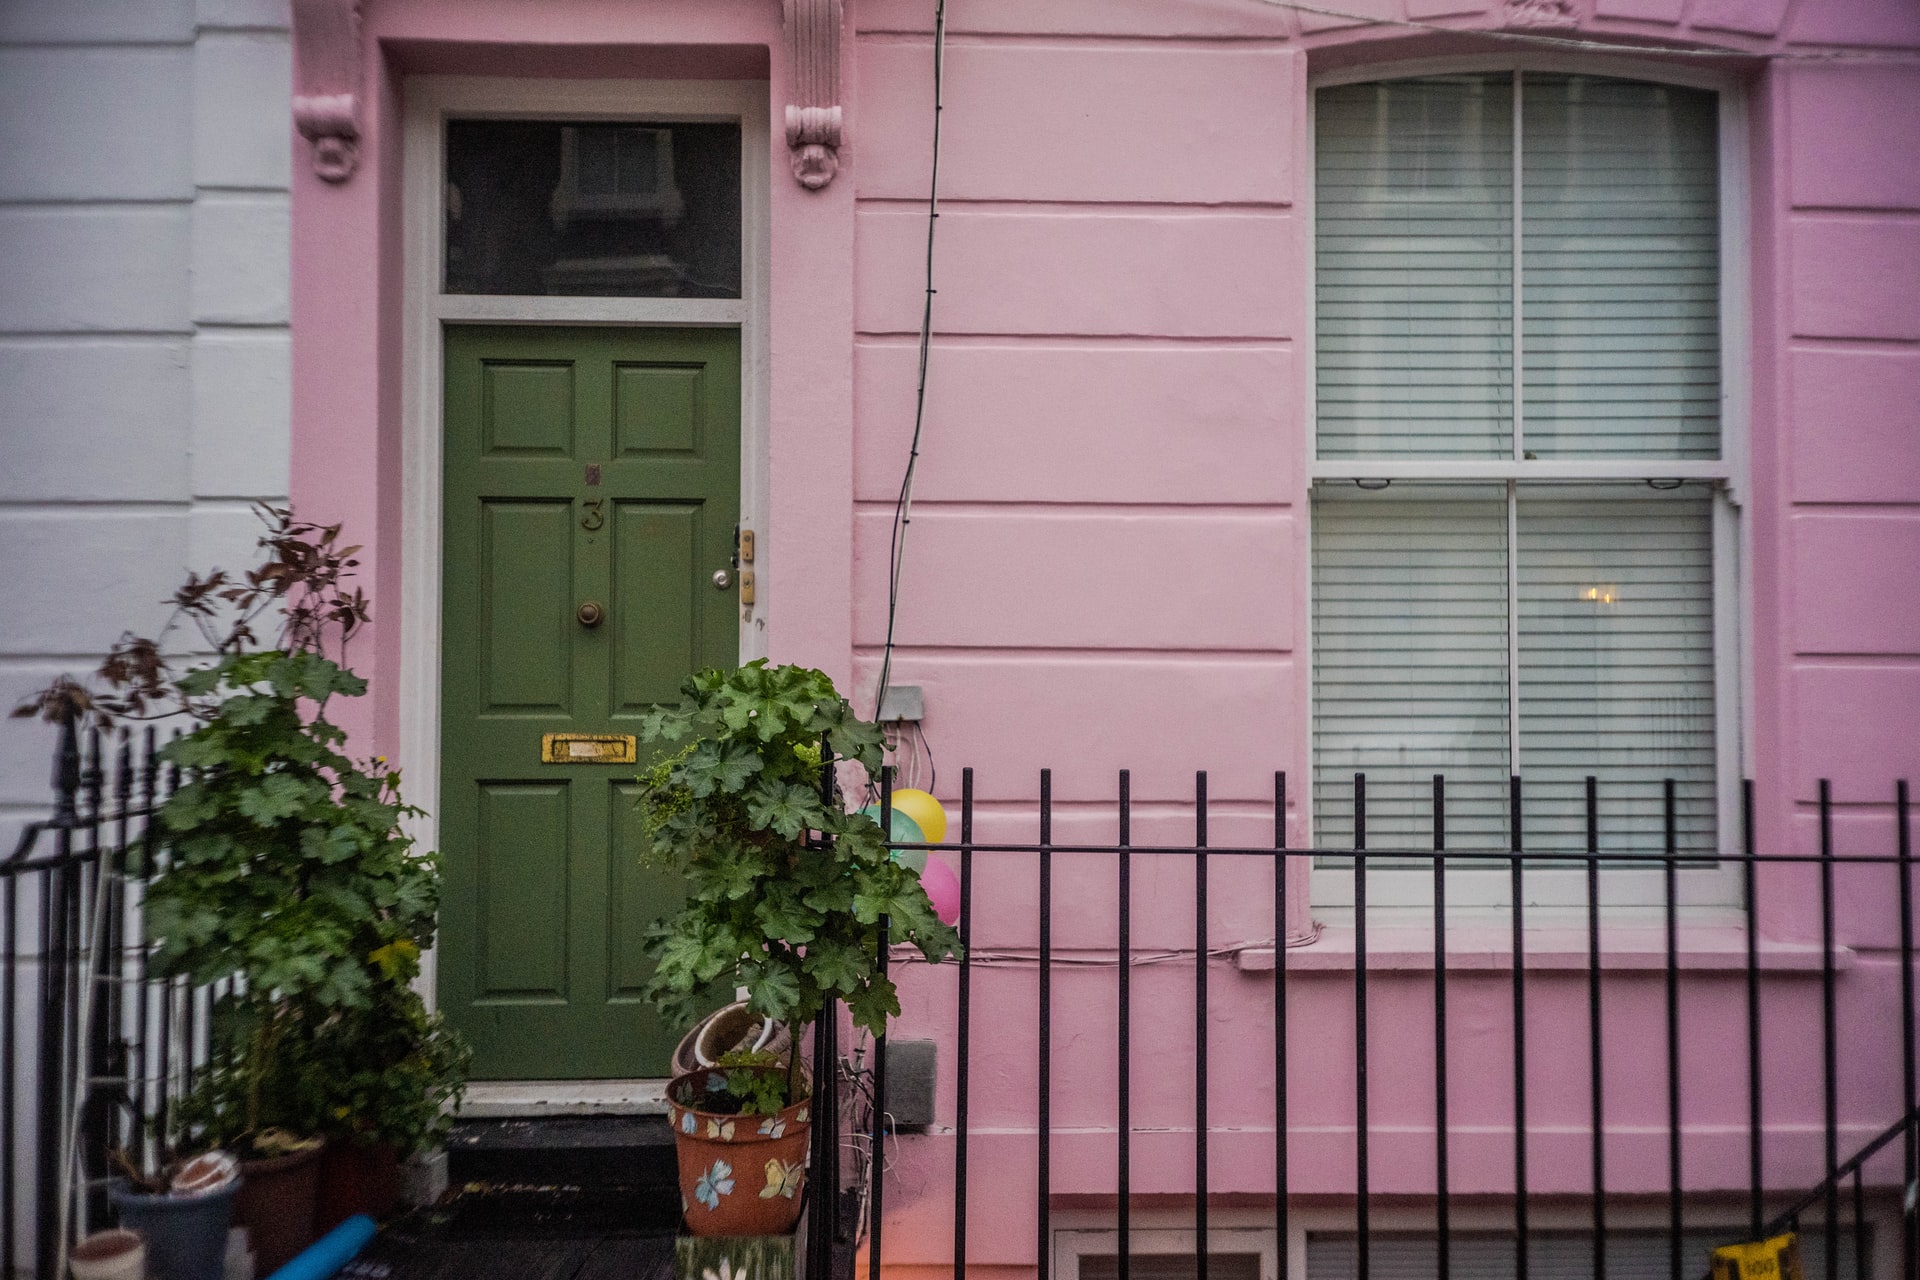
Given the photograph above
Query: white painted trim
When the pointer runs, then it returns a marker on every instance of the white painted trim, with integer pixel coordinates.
(1238, 1232)
(473, 308)
(528, 1099)
(1705, 891)
(1078, 1232)
(1531, 470)
(1246, 1230)
(1308, 374)
(430, 101)
(1627, 67)
(1703, 1212)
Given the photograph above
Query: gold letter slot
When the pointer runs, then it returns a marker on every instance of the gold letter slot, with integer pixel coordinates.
(587, 748)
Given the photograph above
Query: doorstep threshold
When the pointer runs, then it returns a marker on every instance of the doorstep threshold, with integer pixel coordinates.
(527, 1099)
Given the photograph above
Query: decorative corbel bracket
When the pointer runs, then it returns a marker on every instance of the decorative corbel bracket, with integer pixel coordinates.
(813, 113)
(1541, 13)
(326, 97)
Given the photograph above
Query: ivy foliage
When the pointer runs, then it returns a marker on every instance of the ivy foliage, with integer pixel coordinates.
(786, 890)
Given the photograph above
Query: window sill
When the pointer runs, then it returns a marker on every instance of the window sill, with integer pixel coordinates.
(1488, 946)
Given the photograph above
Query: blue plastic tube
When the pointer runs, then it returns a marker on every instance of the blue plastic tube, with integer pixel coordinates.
(324, 1257)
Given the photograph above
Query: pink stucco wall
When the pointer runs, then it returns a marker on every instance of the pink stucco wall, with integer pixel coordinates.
(1107, 563)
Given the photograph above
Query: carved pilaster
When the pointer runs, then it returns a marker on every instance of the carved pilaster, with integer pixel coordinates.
(327, 83)
(813, 112)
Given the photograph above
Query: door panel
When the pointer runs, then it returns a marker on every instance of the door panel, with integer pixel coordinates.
(522, 901)
(526, 564)
(581, 465)
(658, 562)
(527, 409)
(656, 408)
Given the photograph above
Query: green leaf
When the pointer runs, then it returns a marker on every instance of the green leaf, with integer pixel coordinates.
(189, 807)
(726, 874)
(772, 989)
(737, 763)
(278, 795)
(784, 915)
(837, 966)
(874, 1003)
(868, 907)
(784, 808)
(330, 844)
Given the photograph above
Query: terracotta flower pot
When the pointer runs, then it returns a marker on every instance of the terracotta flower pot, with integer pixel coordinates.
(277, 1202)
(357, 1177)
(739, 1175)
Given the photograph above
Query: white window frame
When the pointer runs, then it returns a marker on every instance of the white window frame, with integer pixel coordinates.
(1251, 1230)
(1703, 1212)
(1714, 890)
(1165, 1231)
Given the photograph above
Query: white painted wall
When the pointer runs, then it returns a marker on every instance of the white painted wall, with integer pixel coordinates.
(144, 153)
(144, 401)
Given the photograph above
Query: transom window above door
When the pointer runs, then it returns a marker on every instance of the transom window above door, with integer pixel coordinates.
(591, 208)
(1523, 556)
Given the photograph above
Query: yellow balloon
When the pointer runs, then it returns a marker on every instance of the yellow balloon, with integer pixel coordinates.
(924, 810)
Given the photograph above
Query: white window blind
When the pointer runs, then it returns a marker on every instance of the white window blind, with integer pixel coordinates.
(1410, 661)
(1414, 260)
(1620, 270)
(1616, 663)
(1521, 270)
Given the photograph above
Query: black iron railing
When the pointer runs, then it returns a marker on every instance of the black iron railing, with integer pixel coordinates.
(1846, 1190)
(88, 1034)
(96, 1050)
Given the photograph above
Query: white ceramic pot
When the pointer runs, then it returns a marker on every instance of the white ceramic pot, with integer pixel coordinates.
(109, 1255)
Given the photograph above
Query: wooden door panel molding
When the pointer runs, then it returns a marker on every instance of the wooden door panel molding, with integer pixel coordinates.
(525, 580)
(656, 409)
(658, 553)
(523, 896)
(526, 408)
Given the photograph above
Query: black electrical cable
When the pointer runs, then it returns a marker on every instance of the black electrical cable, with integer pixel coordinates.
(903, 506)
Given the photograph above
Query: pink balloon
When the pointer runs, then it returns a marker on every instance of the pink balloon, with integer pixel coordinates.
(943, 890)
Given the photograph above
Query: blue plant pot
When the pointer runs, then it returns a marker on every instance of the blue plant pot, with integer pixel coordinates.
(186, 1235)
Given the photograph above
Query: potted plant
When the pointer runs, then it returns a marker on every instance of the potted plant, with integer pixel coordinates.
(741, 1126)
(246, 1100)
(786, 894)
(287, 864)
(181, 1212)
(289, 869)
(386, 1079)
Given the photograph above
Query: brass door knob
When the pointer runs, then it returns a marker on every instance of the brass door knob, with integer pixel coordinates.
(590, 614)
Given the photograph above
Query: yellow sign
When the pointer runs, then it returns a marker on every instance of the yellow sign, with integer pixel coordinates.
(1775, 1259)
(587, 748)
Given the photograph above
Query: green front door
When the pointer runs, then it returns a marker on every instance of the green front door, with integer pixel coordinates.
(592, 489)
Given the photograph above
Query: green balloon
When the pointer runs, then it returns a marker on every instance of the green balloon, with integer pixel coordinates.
(905, 830)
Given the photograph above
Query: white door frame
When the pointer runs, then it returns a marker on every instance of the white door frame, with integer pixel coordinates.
(430, 102)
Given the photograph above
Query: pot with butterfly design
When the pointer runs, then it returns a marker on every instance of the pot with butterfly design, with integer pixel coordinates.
(742, 1147)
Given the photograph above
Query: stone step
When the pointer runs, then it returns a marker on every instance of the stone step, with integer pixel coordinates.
(564, 1175)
